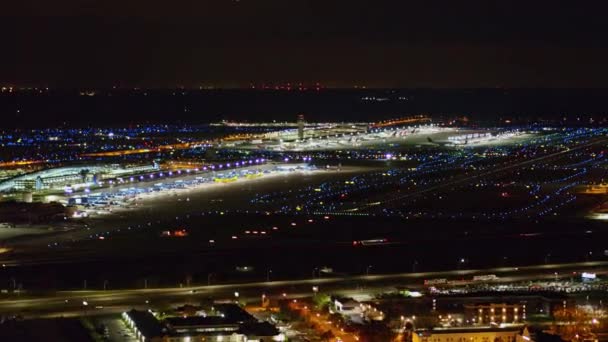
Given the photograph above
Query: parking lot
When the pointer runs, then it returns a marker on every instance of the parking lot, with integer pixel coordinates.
(117, 330)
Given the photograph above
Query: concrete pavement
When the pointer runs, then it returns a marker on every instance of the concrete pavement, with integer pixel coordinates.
(101, 302)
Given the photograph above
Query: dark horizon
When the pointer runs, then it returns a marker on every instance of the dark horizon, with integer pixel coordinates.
(58, 108)
(339, 44)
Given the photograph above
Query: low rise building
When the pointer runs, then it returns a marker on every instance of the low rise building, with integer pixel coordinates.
(476, 334)
(145, 326)
(495, 313)
(231, 324)
(356, 311)
(347, 306)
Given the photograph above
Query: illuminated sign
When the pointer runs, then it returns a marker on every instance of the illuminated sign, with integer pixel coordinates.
(586, 275)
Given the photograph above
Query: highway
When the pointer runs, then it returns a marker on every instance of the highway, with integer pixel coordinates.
(65, 303)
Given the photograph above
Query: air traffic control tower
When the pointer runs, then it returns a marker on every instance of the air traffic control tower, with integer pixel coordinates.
(301, 127)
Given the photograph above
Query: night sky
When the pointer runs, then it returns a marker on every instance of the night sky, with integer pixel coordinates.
(339, 43)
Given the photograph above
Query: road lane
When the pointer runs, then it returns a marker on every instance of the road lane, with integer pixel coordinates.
(33, 305)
